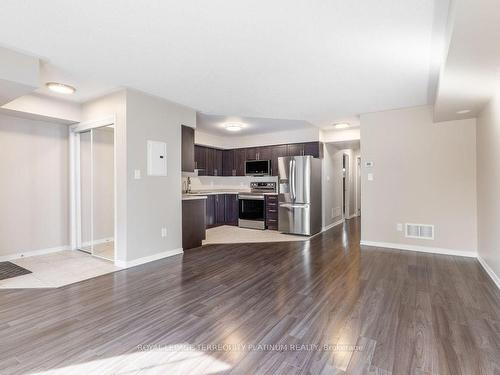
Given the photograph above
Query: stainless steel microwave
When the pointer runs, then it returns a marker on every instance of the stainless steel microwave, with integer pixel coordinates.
(258, 167)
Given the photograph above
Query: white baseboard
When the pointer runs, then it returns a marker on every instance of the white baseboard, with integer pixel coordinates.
(151, 258)
(423, 249)
(489, 271)
(31, 253)
(330, 226)
(352, 216)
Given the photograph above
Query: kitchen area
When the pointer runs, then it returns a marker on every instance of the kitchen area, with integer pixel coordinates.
(251, 194)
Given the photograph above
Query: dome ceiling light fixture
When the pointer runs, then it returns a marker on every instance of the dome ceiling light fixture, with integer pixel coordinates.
(341, 125)
(60, 88)
(233, 126)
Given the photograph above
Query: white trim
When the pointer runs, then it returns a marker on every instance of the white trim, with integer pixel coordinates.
(151, 258)
(352, 216)
(84, 126)
(31, 253)
(423, 249)
(330, 226)
(489, 271)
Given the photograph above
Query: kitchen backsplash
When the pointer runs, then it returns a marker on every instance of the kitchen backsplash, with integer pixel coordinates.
(212, 182)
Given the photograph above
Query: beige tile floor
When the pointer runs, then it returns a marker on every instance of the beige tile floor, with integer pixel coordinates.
(105, 250)
(232, 234)
(58, 269)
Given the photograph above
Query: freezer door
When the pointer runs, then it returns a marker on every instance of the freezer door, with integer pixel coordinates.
(284, 172)
(294, 218)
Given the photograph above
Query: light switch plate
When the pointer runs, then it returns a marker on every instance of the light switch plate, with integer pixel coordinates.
(399, 227)
(370, 176)
(164, 232)
(137, 174)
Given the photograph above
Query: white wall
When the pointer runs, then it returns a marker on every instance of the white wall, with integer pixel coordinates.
(154, 202)
(424, 173)
(34, 188)
(488, 184)
(329, 136)
(264, 139)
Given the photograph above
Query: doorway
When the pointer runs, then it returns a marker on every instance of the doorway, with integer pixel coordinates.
(93, 188)
(345, 186)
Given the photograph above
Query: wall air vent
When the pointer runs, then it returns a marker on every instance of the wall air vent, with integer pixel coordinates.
(420, 231)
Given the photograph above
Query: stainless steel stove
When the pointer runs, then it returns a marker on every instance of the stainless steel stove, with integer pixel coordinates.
(252, 206)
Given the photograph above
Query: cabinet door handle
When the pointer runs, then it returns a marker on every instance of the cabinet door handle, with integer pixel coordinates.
(272, 210)
(195, 165)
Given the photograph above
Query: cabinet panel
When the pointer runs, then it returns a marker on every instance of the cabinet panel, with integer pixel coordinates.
(193, 223)
(232, 209)
(264, 153)
(200, 159)
(239, 161)
(276, 152)
(220, 209)
(313, 148)
(210, 211)
(218, 171)
(228, 163)
(272, 212)
(187, 147)
(295, 149)
(251, 153)
(210, 161)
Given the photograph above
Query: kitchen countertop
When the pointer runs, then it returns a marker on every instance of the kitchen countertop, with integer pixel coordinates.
(188, 197)
(219, 191)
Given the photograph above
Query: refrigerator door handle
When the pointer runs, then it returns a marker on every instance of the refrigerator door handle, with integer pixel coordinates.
(292, 180)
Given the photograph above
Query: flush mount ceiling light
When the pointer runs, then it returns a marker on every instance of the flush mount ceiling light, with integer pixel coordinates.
(463, 111)
(60, 88)
(233, 126)
(341, 125)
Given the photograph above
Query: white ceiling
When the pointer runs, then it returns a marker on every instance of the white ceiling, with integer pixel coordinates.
(215, 124)
(86, 88)
(312, 60)
(471, 72)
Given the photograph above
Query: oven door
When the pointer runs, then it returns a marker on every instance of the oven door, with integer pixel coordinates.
(251, 211)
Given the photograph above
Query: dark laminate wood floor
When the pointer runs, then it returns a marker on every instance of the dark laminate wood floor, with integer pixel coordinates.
(405, 312)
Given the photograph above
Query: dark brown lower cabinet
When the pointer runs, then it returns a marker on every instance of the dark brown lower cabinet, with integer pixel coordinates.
(210, 211)
(220, 209)
(193, 223)
(272, 212)
(232, 209)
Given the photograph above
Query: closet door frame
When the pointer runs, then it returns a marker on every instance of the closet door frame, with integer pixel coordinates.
(74, 181)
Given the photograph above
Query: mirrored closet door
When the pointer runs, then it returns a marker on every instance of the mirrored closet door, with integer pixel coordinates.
(95, 188)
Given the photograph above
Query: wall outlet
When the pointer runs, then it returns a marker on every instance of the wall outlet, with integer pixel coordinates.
(370, 176)
(399, 227)
(164, 232)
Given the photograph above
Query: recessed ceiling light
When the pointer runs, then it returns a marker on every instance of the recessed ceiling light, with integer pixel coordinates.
(463, 111)
(60, 88)
(233, 126)
(341, 125)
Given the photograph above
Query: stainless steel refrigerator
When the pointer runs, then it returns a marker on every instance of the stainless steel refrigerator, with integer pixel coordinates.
(299, 195)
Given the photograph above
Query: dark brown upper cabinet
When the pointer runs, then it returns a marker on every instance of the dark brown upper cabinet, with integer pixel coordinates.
(218, 164)
(252, 153)
(295, 149)
(228, 163)
(276, 152)
(187, 149)
(314, 149)
(264, 153)
(239, 161)
(200, 159)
